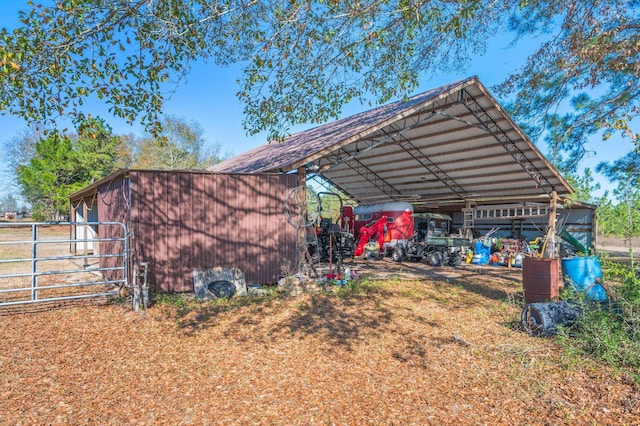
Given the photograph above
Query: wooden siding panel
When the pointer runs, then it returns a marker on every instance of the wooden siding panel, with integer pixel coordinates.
(230, 223)
(210, 243)
(255, 227)
(160, 262)
(198, 220)
(173, 267)
(187, 251)
(144, 229)
(248, 239)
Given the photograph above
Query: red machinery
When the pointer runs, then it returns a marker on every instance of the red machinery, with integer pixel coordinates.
(388, 224)
(367, 232)
(392, 222)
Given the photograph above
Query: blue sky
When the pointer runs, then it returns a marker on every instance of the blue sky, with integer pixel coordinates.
(208, 97)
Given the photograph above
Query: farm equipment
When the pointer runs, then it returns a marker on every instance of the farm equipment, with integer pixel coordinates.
(376, 228)
(432, 241)
(331, 239)
(382, 229)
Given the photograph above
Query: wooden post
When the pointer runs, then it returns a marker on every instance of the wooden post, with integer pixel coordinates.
(301, 238)
(550, 242)
(553, 209)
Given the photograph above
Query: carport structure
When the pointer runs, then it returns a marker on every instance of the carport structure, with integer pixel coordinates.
(453, 146)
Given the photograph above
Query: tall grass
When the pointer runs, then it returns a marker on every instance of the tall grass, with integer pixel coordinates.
(610, 332)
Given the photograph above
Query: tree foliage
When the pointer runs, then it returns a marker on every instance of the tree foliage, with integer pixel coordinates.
(48, 177)
(303, 60)
(584, 79)
(179, 146)
(62, 164)
(584, 186)
(623, 218)
(51, 165)
(8, 203)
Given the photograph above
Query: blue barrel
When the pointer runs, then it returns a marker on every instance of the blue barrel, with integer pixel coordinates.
(582, 274)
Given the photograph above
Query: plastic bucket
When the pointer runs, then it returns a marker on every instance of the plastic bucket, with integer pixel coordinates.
(582, 274)
(540, 279)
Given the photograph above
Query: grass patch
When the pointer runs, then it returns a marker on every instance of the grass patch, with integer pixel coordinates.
(184, 303)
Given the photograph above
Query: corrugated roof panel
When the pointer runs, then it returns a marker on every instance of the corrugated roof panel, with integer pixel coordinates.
(454, 141)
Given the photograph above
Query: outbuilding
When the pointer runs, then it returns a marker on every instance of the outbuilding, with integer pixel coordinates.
(181, 221)
(451, 150)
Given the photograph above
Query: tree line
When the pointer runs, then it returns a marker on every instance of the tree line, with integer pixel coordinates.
(51, 165)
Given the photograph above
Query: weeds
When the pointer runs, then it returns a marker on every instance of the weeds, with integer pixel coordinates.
(609, 332)
(184, 303)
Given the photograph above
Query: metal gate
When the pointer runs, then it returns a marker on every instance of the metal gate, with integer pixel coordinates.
(56, 261)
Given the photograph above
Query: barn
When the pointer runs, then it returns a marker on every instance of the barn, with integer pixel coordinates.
(181, 221)
(450, 150)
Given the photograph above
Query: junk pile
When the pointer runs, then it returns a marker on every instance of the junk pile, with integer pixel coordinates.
(541, 279)
(508, 252)
(543, 319)
(299, 284)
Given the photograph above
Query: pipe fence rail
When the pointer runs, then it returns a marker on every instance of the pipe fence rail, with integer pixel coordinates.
(57, 261)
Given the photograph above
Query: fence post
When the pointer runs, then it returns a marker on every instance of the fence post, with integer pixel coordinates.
(34, 262)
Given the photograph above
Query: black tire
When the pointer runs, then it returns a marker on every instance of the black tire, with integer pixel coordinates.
(397, 255)
(371, 255)
(534, 321)
(455, 259)
(434, 258)
(222, 289)
(541, 319)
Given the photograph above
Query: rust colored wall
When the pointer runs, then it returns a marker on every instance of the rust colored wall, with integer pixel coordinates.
(182, 220)
(112, 200)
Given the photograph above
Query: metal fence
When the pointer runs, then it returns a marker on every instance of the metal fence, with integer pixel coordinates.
(48, 262)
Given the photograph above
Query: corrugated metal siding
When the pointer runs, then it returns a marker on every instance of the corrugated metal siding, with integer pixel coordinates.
(112, 206)
(182, 221)
(579, 222)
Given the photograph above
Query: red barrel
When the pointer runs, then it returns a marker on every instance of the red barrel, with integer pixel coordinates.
(540, 279)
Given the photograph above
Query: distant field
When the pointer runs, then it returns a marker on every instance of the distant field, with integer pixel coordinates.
(618, 246)
(17, 250)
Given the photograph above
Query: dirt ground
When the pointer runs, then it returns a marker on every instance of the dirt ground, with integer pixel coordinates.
(422, 346)
(416, 345)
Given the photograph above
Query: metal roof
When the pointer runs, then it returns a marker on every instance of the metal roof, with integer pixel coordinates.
(447, 145)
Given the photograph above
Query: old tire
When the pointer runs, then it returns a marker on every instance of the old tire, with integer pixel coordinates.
(397, 255)
(455, 259)
(434, 258)
(542, 319)
(222, 289)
